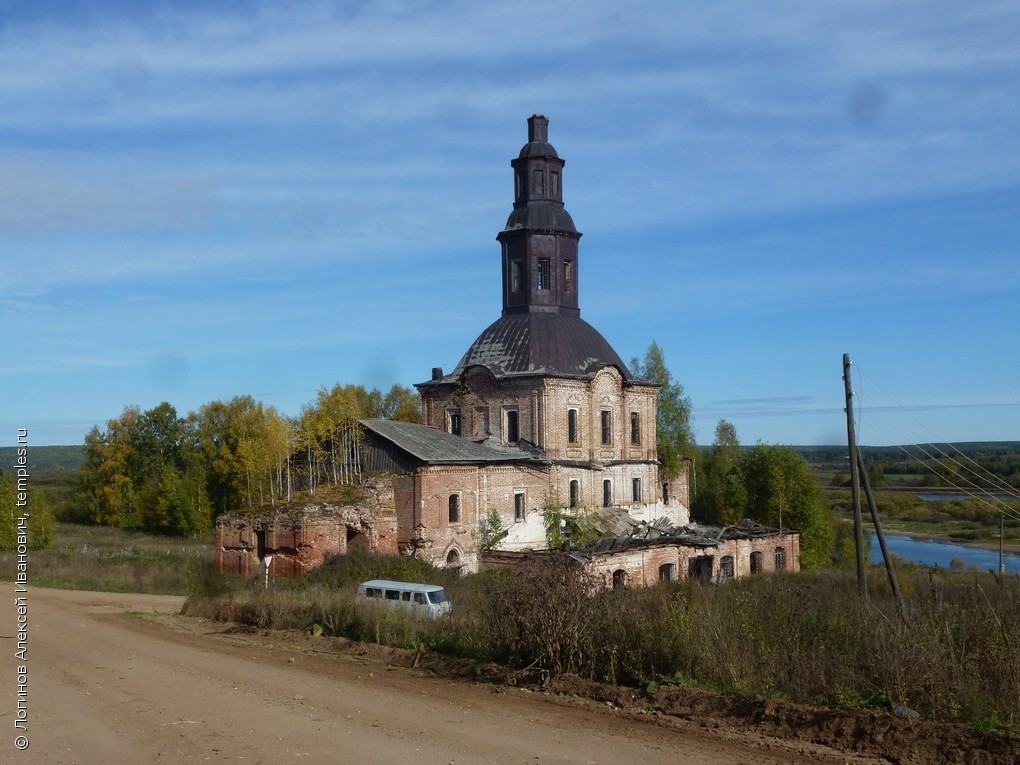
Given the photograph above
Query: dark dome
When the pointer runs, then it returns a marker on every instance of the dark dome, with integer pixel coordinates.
(538, 149)
(541, 343)
(541, 216)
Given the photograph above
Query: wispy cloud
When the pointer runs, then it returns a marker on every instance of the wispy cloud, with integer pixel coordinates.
(223, 181)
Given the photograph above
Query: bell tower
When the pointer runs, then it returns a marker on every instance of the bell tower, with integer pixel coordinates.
(539, 241)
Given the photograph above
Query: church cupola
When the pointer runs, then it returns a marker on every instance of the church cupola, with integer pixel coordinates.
(539, 241)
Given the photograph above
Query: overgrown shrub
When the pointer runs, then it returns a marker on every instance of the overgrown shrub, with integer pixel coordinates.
(807, 637)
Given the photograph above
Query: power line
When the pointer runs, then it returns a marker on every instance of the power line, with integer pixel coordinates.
(999, 485)
(999, 507)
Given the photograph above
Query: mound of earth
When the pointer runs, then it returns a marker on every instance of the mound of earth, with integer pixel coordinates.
(858, 732)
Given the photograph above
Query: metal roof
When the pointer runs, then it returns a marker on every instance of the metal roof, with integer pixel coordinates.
(436, 447)
(541, 216)
(541, 344)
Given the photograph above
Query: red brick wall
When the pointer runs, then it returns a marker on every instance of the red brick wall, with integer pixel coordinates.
(641, 566)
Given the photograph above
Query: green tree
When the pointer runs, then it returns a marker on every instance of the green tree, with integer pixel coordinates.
(675, 437)
(721, 497)
(105, 486)
(335, 433)
(135, 472)
(781, 491)
(402, 404)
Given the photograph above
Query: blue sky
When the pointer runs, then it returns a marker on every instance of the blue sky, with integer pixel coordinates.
(204, 200)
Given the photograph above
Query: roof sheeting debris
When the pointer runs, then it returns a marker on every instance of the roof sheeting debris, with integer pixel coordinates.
(661, 532)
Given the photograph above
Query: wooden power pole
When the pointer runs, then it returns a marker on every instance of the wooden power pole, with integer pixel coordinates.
(855, 480)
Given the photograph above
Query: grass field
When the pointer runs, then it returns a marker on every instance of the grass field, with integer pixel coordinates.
(115, 560)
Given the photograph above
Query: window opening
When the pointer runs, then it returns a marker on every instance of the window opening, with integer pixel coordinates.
(607, 493)
(780, 558)
(568, 279)
(511, 426)
(515, 276)
(636, 489)
(667, 572)
(607, 427)
(454, 421)
(538, 181)
(619, 579)
(701, 567)
(519, 510)
(455, 508)
(635, 428)
(543, 274)
(726, 569)
(757, 563)
(572, 426)
(575, 493)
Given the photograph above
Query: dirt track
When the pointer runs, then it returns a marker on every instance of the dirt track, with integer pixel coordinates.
(107, 687)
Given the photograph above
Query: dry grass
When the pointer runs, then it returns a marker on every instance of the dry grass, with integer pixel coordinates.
(116, 560)
(805, 637)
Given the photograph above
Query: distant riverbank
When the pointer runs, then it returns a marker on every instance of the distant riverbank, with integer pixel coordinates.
(928, 550)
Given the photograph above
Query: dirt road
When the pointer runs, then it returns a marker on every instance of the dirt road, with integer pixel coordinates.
(109, 685)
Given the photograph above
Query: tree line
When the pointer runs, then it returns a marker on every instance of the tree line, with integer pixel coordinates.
(170, 474)
(772, 485)
(165, 473)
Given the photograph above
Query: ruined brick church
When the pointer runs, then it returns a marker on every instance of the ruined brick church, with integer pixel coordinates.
(550, 410)
(540, 412)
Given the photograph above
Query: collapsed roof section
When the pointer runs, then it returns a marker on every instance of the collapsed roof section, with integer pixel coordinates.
(627, 534)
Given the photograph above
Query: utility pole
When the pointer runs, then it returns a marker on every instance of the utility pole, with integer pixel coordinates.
(1002, 522)
(855, 480)
(889, 569)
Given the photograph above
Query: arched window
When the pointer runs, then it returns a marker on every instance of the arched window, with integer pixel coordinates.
(607, 493)
(619, 579)
(453, 421)
(575, 493)
(453, 559)
(757, 563)
(667, 572)
(726, 568)
(780, 558)
(572, 426)
(455, 508)
(607, 427)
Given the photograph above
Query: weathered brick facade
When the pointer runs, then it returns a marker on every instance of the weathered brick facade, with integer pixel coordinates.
(300, 538)
(644, 566)
(646, 563)
(540, 412)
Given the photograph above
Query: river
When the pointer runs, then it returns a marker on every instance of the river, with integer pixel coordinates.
(932, 552)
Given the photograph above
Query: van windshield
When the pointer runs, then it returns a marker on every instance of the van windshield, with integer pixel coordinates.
(439, 596)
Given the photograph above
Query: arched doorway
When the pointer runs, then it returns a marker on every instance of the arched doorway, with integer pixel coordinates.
(453, 559)
(357, 540)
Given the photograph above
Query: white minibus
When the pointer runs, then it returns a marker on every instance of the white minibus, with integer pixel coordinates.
(425, 599)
